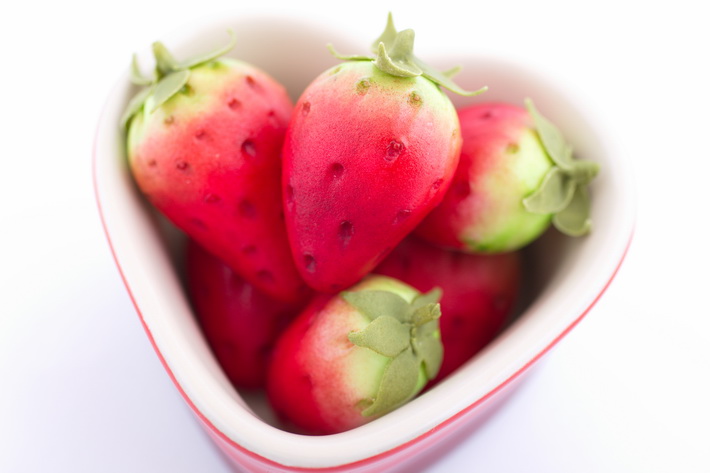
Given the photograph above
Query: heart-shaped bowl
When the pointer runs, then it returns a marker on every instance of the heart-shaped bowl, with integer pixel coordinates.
(565, 276)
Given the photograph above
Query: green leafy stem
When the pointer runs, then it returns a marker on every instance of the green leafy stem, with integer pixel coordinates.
(564, 189)
(394, 54)
(169, 77)
(407, 334)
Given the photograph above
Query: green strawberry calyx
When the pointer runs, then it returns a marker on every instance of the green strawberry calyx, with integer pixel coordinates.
(406, 333)
(169, 77)
(563, 191)
(394, 55)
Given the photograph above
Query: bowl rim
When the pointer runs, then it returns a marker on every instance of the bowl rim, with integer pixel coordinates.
(107, 119)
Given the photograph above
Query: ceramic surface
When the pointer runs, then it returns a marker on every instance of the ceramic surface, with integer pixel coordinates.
(568, 278)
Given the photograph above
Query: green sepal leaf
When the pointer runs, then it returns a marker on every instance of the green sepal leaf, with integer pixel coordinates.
(137, 76)
(384, 335)
(374, 304)
(406, 333)
(394, 54)
(165, 62)
(429, 349)
(167, 87)
(584, 171)
(344, 57)
(444, 80)
(574, 219)
(554, 194)
(207, 57)
(426, 314)
(387, 37)
(400, 46)
(552, 139)
(451, 72)
(563, 192)
(430, 297)
(398, 61)
(170, 77)
(399, 382)
(134, 106)
(429, 329)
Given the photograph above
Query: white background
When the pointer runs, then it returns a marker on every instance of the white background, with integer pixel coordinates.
(626, 391)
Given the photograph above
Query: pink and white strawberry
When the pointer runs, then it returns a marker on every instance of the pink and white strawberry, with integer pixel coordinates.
(204, 145)
(350, 358)
(240, 323)
(479, 293)
(371, 148)
(515, 176)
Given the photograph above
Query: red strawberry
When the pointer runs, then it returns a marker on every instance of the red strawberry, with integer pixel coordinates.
(515, 176)
(479, 292)
(204, 145)
(370, 150)
(240, 322)
(350, 358)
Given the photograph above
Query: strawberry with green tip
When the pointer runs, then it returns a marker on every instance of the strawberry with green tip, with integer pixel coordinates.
(515, 177)
(350, 358)
(204, 141)
(370, 150)
(479, 293)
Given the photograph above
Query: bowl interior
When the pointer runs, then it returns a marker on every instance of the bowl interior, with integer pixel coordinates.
(564, 276)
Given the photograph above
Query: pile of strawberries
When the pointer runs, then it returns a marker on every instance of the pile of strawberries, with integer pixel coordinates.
(352, 250)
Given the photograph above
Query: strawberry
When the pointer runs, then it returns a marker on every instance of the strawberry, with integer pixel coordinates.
(239, 322)
(371, 148)
(515, 176)
(204, 143)
(350, 358)
(479, 293)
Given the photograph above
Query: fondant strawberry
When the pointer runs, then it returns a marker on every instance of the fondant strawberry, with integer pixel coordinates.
(515, 176)
(350, 358)
(479, 293)
(240, 322)
(370, 150)
(204, 141)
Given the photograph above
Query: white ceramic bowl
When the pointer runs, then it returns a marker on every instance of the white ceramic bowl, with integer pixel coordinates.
(564, 286)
